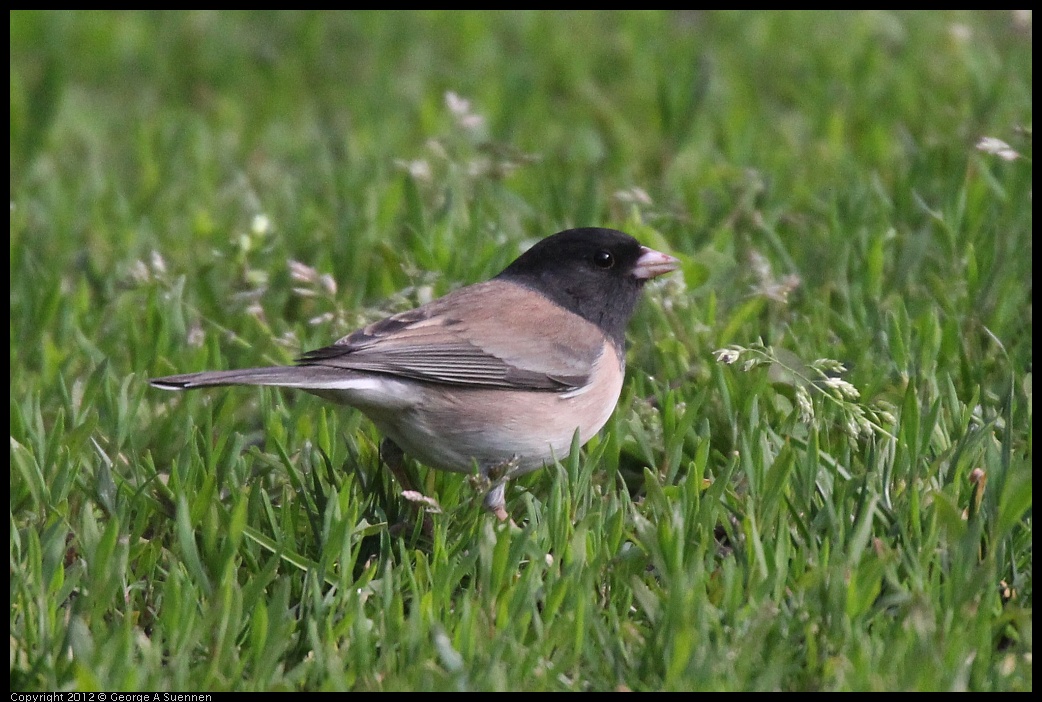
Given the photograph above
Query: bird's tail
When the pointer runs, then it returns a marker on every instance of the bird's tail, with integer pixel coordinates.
(282, 376)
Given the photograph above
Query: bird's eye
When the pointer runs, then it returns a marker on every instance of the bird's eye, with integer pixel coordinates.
(603, 259)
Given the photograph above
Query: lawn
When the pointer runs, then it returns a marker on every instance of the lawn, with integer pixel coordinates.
(818, 476)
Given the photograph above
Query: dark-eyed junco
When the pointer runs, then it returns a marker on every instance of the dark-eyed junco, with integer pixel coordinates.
(496, 374)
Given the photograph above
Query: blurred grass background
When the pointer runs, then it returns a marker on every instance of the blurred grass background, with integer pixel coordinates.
(823, 178)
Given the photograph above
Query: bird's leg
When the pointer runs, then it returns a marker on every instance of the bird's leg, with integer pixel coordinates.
(394, 458)
(495, 498)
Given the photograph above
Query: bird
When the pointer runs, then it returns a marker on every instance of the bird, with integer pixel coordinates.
(495, 377)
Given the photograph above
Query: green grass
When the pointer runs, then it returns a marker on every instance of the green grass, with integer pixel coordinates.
(746, 525)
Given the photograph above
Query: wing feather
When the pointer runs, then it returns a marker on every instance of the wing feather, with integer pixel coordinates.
(525, 342)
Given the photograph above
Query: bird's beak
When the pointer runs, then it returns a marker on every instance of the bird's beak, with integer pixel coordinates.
(652, 264)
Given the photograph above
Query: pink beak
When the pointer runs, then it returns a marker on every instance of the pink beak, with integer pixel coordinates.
(652, 264)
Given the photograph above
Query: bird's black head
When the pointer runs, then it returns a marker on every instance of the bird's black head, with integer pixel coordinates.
(593, 272)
